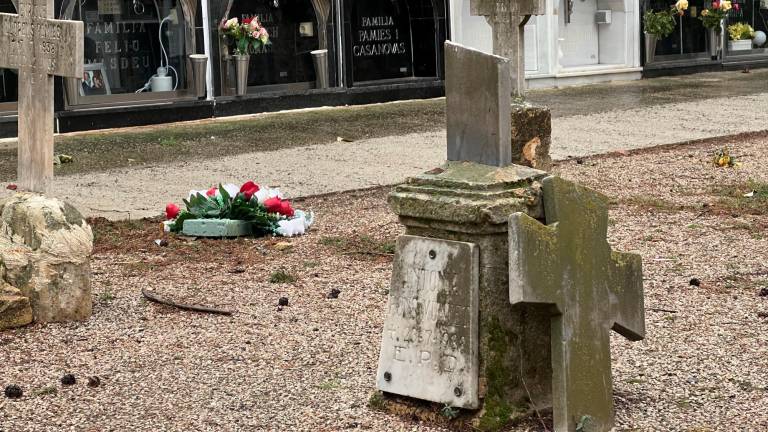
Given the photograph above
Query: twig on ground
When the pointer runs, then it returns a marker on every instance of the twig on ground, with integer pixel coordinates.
(358, 252)
(205, 309)
(661, 310)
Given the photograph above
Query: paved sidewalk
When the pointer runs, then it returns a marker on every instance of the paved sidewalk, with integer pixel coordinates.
(300, 171)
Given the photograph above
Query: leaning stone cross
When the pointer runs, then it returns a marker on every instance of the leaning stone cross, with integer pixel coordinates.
(39, 47)
(569, 264)
(507, 19)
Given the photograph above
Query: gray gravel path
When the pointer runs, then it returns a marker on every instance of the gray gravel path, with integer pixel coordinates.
(144, 191)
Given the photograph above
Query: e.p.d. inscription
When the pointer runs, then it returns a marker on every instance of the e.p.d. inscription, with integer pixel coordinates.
(429, 345)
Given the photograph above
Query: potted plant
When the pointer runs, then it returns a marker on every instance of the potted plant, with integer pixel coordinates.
(248, 36)
(658, 25)
(741, 37)
(712, 18)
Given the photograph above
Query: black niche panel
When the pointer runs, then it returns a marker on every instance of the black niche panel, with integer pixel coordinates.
(378, 39)
(393, 39)
(287, 59)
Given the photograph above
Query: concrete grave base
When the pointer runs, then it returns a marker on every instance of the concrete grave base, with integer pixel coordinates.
(531, 136)
(470, 202)
(216, 228)
(45, 248)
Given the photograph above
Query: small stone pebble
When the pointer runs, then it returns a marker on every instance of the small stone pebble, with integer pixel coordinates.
(334, 293)
(94, 381)
(13, 392)
(68, 380)
(695, 282)
(764, 292)
(283, 301)
(237, 270)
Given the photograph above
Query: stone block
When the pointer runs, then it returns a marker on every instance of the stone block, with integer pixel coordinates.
(216, 228)
(45, 248)
(531, 136)
(478, 95)
(471, 202)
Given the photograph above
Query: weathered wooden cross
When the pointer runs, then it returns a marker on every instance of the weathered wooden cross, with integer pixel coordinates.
(507, 19)
(569, 264)
(39, 47)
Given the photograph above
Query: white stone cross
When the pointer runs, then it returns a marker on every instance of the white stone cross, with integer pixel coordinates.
(507, 19)
(39, 47)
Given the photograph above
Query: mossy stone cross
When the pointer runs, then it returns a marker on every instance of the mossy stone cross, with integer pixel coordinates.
(569, 264)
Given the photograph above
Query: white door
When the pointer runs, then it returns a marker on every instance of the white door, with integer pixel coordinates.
(579, 42)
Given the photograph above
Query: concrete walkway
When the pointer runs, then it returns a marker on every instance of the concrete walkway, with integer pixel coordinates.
(301, 171)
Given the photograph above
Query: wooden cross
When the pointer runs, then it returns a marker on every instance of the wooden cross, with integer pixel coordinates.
(39, 47)
(507, 19)
(569, 264)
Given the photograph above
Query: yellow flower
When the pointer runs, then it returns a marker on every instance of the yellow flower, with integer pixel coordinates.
(681, 5)
(705, 12)
(726, 5)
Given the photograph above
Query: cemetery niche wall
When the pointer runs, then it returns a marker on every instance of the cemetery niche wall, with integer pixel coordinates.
(137, 54)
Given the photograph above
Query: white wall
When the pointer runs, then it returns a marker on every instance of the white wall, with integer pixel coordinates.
(553, 49)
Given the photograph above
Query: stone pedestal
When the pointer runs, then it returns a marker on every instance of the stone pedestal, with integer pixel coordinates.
(45, 248)
(469, 202)
(531, 136)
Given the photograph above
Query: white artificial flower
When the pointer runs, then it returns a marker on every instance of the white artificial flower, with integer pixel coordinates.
(298, 225)
(266, 193)
(308, 220)
(291, 227)
(231, 189)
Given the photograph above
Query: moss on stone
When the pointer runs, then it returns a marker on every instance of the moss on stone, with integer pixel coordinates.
(497, 409)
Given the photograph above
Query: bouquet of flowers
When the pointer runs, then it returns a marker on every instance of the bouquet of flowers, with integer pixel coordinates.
(712, 17)
(262, 206)
(662, 23)
(249, 35)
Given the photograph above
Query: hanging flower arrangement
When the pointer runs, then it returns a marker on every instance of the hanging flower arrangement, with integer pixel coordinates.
(248, 35)
(263, 207)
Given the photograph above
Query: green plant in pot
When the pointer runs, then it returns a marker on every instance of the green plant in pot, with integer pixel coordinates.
(659, 24)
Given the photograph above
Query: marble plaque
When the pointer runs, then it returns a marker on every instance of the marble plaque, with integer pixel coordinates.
(429, 345)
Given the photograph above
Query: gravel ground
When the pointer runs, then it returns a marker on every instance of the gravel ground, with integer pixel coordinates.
(311, 366)
(143, 191)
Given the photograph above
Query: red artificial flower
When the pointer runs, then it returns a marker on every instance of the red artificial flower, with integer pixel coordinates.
(715, 5)
(736, 7)
(247, 20)
(248, 189)
(212, 191)
(11, 187)
(273, 205)
(286, 209)
(171, 211)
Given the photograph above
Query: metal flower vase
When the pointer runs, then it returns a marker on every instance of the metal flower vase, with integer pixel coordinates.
(714, 43)
(650, 47)
(242, 61)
